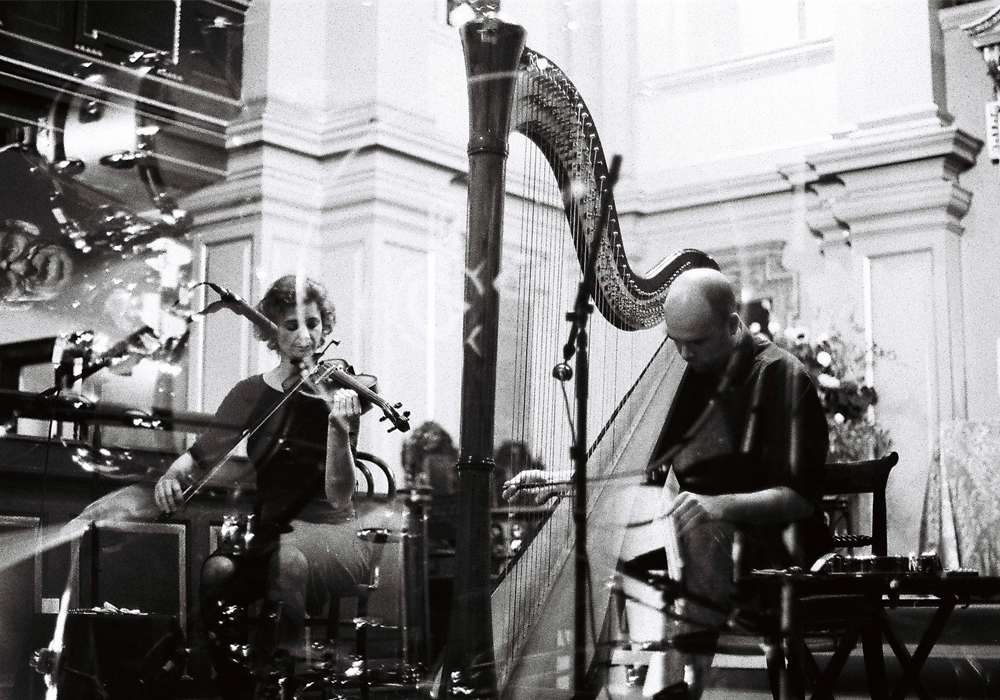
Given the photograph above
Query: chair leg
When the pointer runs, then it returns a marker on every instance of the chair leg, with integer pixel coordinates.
(871, 645)
(774, 659)
(333, 620)
(361, 627)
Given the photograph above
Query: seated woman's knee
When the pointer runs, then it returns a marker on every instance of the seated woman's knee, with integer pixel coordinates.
(289, 566)
(216, 572)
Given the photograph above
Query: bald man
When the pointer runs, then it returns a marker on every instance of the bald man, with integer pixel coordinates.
(733, 467)
(732, 462)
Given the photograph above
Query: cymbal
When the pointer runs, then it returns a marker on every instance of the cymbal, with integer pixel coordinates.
(26, 404)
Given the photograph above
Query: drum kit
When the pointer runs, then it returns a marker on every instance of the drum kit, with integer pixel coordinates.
(109, 121)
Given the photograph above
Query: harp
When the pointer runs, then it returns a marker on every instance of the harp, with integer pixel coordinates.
(511, 630)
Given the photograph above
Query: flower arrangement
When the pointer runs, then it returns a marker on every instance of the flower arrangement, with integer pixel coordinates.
(838, 370)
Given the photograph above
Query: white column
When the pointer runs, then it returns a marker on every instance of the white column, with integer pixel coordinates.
(341, 169)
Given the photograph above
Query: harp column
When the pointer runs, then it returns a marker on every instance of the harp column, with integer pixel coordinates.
(492, 53)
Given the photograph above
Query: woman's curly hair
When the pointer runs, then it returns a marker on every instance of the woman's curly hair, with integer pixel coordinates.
(284, 295)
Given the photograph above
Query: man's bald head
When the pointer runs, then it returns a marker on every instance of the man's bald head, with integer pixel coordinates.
(702, 286)
(700, 311)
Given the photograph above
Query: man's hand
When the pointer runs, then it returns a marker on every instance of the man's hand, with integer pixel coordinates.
(689, 509)
(529, 477)
(169, 490)
(344, 405)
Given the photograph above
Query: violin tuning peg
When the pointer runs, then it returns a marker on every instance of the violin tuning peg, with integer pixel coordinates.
(397, 405)
(391, 429)
(406, 414)
(382, 419)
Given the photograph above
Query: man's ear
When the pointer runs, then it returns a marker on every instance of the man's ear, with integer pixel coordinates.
(734, 323)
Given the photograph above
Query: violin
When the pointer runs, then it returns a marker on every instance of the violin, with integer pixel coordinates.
(327, 375)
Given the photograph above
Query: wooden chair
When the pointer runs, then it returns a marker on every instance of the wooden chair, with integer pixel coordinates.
(869, 476)
(835, 623)
(832, 623)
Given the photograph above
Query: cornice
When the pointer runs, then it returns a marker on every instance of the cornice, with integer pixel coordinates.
(223, 201)
(740, 70)
(276, 178)
(349, 128)
(957, 17)
(706, 192)
(985, 29)
(877, 147)
(844, 213)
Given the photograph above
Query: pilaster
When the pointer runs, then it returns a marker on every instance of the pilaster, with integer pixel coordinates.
(902, 220)
(341, 170)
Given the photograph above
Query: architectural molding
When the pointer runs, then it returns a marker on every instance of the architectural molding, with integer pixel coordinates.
(308, 187)
(757, 272)
(959, 15)
(740, 70)
(985, 35)
(727, 188)
(349, 128)
(984, 30)
(894, 143)
(884, 142)
(841, 210)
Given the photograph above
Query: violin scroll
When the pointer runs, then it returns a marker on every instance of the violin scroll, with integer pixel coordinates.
(332, 374)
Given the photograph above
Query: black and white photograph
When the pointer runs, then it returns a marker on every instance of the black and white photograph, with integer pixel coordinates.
(499, 349)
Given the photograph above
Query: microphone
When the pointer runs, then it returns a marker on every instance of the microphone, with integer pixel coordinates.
(239, 305)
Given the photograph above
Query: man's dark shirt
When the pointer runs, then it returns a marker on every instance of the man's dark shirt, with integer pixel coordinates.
(744, 443)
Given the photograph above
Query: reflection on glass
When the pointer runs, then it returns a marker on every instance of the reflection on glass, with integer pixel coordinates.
(31, 268)
(57, 235)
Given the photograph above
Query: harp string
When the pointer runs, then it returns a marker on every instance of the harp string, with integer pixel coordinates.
(552, 264)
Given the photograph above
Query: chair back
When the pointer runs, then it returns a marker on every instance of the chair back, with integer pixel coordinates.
(378, 485)
(867, 476)
(382, 486)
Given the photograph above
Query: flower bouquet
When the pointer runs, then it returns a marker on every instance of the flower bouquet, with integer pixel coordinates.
(838, 371)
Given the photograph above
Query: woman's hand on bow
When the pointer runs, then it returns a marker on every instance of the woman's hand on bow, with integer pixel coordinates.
(169, 490)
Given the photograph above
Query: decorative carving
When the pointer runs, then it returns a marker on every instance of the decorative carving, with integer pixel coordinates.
(757, 273)
(985, 35)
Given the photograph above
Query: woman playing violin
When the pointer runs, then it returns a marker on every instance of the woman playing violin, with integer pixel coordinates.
(306, 550)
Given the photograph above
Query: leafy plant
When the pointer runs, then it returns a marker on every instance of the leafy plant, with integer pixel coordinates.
(837, 369)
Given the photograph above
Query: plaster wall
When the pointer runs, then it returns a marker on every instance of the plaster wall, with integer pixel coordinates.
(969, 88)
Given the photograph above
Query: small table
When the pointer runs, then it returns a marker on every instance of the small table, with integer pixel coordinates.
(798, 599)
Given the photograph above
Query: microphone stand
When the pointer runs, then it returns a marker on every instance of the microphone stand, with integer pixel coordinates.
(577, 344)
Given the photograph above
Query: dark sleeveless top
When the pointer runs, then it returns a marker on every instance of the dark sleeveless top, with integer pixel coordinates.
(288, 452)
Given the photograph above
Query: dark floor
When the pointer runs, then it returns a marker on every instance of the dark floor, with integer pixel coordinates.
(965, 664)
